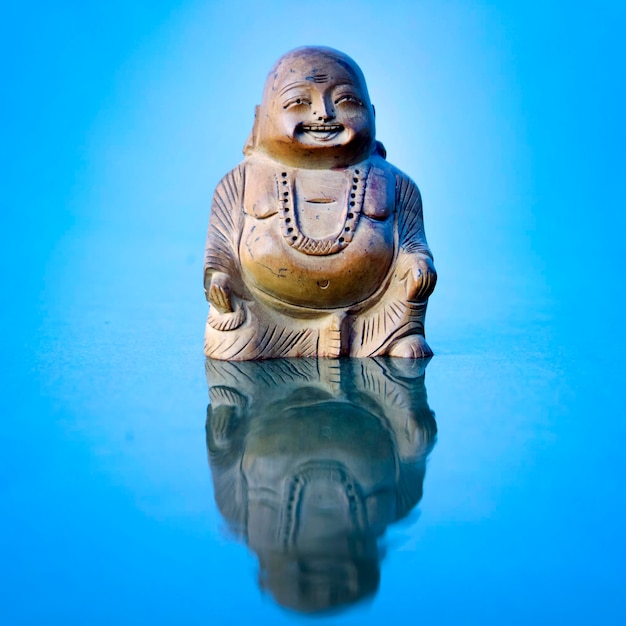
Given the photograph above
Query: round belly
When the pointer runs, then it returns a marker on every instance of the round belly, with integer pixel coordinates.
(338, 280)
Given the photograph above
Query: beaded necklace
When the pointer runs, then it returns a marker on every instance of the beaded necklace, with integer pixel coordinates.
(285, 184)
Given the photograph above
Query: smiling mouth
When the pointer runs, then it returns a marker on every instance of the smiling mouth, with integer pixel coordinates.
(322, 132)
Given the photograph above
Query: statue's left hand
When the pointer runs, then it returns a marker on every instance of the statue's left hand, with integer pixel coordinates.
(421, 278)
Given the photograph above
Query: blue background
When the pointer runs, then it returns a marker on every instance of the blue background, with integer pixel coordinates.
(118, 120)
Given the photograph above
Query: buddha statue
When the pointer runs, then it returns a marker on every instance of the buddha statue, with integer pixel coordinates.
(316, 244)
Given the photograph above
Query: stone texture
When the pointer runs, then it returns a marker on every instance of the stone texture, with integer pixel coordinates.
(316, 244)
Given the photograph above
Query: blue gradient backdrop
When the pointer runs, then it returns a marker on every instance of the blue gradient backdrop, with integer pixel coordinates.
(119, 118)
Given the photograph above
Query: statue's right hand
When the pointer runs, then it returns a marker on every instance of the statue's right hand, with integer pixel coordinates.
(220, 293)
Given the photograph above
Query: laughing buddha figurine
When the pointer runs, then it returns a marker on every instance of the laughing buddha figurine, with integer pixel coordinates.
(316, 244)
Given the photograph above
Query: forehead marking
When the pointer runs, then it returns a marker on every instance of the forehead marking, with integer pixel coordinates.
(318, 78)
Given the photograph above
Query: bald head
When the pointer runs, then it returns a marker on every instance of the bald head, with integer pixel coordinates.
(316, 111)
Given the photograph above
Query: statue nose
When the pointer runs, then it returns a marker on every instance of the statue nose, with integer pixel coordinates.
(326, 112)
(326, 117)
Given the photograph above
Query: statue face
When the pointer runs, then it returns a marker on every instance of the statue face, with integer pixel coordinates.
(316, 111)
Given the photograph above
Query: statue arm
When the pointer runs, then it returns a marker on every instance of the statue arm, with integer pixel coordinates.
(221, 266)
(415, 260)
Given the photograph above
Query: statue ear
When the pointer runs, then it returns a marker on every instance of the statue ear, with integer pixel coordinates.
(250, 144)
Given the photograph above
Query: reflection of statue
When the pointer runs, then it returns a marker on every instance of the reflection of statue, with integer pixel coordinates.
(311, 461)
(316, 243)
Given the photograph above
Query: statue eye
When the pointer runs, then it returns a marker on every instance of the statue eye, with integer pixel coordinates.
(296, 101)
(348, 97)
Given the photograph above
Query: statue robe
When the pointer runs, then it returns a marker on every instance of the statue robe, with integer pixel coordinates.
(265, 328)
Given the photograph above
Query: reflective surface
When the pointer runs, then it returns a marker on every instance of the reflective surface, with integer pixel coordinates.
(109, 511)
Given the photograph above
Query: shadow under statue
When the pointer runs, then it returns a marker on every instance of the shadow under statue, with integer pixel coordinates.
(311, 460)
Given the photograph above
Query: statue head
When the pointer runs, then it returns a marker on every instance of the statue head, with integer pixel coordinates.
(316, 112)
